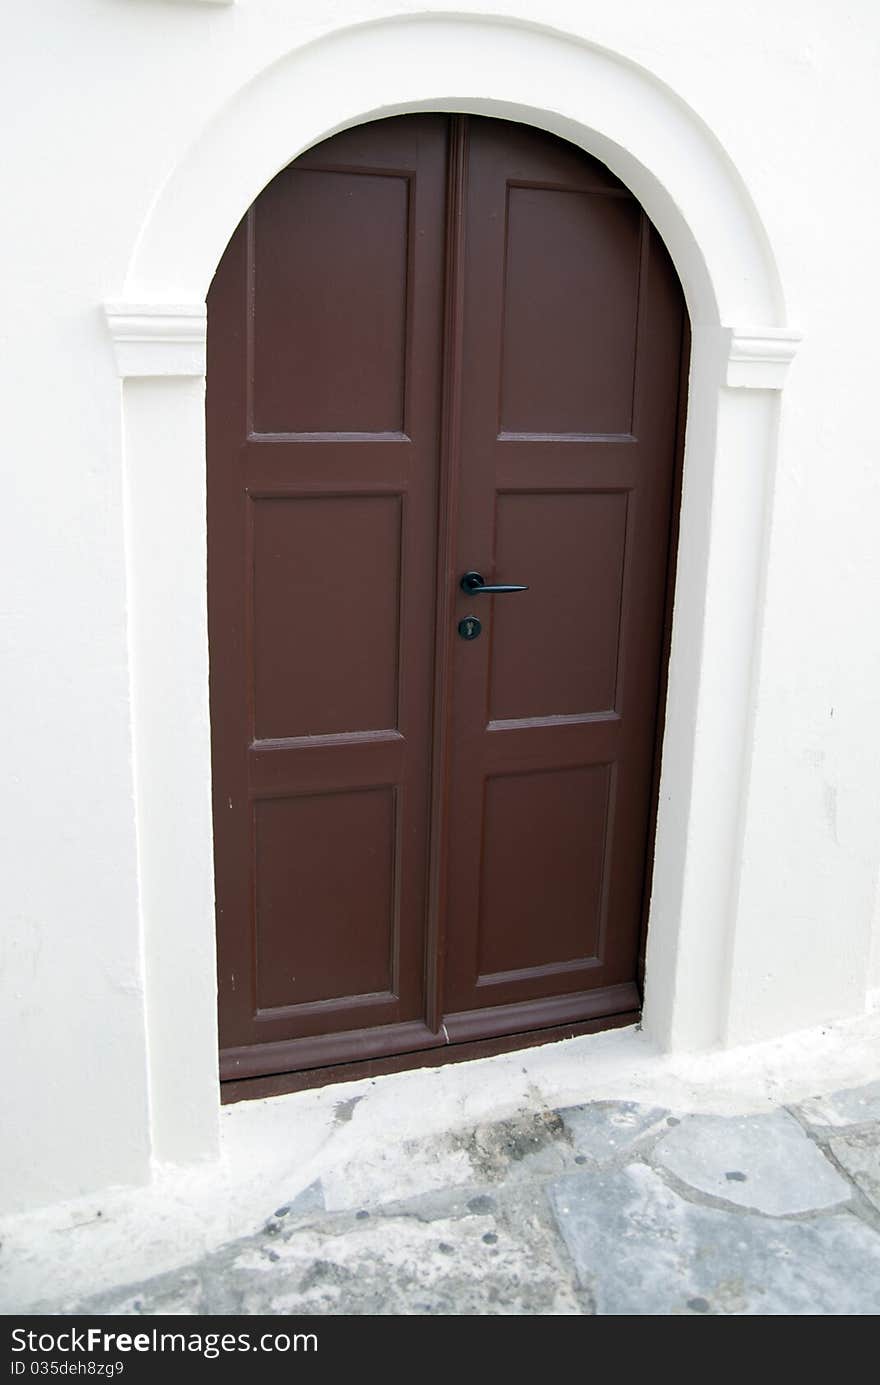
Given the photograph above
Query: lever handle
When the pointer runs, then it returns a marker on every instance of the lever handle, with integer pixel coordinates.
(473, 584)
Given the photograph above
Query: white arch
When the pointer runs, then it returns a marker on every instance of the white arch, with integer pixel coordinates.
(670, 159)
(615, 109)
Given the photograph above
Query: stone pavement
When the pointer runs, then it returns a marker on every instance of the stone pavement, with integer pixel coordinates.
(611, 1207)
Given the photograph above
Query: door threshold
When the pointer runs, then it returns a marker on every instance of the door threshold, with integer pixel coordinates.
(281, 1084)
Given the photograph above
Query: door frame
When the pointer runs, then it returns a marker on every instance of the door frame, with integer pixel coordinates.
(699, 945)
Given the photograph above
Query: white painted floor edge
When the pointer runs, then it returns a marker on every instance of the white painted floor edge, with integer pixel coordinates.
(274, 1148)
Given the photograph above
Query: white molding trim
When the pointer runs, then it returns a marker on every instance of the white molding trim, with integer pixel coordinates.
(758, 357)
(169, 339)
(691, 190)
(158, 338)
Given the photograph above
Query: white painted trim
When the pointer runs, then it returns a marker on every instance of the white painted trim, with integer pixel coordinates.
(690, 187)
(158, 338)
(607, 104)
(758, 357)
(170, 339)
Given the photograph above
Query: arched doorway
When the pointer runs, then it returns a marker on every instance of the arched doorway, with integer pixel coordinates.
(702, 937)
(438, 345)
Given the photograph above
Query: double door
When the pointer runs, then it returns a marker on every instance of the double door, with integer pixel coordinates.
(443, 356)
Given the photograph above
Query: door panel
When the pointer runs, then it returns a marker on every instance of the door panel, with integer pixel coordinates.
(544, 841)
(571, 258)
(571, 302)
(349, 309)
(325, 340)
(350, 947)
(436, 344)
(306, 684)
(555, 648)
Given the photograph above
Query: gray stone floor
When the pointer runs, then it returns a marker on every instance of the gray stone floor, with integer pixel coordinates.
(610, 1207)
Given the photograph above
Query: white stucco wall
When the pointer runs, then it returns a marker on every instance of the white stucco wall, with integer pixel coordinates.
(104, 100)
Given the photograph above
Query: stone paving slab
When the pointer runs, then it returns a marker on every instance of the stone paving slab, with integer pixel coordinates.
(604, 1130)
(764, 1162)
(641, 1248)
(609, 1207)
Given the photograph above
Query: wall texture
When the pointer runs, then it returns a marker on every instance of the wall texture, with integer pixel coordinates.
(102, 100)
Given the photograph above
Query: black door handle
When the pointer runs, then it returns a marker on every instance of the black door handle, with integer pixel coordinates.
(473, 583)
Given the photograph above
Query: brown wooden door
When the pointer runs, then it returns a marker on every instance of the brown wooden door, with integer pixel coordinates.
(436, 344)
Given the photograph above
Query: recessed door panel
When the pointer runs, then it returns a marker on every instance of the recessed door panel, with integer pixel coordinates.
(437, 345)
(543, 859)
(324, 933)
(571, 271)
(555, 648)
(331, 249)
(326, 633)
